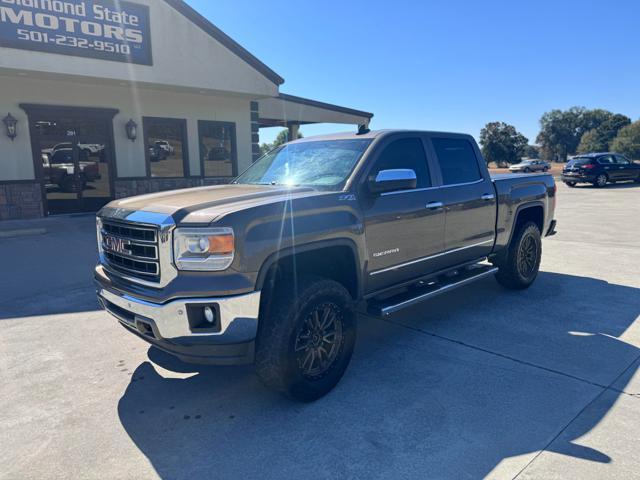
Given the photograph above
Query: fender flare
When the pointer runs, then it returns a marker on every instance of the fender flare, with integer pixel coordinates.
(309, 247)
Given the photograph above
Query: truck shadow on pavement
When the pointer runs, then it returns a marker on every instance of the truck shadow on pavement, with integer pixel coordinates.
(452, 388)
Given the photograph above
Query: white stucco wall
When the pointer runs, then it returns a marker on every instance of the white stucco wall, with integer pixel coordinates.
(183, 55)
(16, 161)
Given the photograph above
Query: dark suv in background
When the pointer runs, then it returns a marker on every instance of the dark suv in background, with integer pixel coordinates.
(600, 169)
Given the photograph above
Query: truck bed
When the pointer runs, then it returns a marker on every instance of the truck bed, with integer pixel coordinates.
(515, 190)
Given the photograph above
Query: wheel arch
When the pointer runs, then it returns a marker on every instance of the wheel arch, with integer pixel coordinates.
(531, 211)
(312, 258)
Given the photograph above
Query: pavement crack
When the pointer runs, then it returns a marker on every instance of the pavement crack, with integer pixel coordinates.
(491, 352)
(607, 388)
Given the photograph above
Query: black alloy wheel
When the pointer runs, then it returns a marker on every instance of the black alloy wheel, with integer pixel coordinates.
(319, 340)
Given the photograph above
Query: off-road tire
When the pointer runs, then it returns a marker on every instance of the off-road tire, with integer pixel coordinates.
(285, 315)
(511, 273)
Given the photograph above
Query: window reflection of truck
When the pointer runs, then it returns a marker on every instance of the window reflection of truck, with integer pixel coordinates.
(87, 148)
(157, 153)
(218, 153)
(59, 170)
(166, 146)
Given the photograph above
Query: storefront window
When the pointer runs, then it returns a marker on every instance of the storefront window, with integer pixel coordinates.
(166, 143)
(217, 149)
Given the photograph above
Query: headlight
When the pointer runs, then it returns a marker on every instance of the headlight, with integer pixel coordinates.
(198, 249)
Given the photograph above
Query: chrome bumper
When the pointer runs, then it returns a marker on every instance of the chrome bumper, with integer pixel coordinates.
(238, 317)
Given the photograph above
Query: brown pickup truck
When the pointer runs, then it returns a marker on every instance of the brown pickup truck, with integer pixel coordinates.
(273, 268)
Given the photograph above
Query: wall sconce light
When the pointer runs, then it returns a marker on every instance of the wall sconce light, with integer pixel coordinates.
(12, 126)
(132, 130)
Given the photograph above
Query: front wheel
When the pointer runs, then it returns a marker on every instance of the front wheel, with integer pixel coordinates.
(570, 184)
(601, 180)
(306, 339)
(519, 267)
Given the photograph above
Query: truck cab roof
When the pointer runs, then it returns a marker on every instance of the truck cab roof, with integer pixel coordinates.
(372, 134)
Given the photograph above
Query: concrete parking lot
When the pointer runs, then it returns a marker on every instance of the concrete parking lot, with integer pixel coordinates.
(482, 382)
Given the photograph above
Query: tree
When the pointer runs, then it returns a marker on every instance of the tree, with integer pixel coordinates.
(628, 141)
(599, 139)
(592, 141)
(561, 131)
(531, 151)
(281, 138)
(502, 143)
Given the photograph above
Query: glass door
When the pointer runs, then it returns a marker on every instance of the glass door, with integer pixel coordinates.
(76, 160)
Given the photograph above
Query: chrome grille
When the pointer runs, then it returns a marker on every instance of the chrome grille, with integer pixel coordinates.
(131, 249)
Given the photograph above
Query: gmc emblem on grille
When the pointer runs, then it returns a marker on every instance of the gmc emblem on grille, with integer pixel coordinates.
(117, 245)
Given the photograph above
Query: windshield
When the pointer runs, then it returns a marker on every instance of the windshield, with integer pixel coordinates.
(323, 164)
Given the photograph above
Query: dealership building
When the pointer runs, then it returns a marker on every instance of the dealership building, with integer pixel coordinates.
(106, 99)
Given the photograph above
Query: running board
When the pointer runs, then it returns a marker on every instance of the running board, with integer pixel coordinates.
(446, 284)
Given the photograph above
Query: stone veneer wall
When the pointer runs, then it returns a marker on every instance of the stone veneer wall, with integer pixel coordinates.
(20, 200)
(140, 186)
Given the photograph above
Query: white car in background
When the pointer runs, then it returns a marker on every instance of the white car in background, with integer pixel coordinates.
(527, 166)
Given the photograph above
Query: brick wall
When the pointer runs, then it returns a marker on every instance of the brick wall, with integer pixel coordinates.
(22, 200)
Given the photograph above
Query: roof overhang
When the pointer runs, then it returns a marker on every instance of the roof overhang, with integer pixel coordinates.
(285, 110)
(197, 19)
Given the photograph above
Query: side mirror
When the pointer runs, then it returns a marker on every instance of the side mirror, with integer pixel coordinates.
(393, 180)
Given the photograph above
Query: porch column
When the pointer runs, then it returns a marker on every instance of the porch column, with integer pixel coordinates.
(294, 128)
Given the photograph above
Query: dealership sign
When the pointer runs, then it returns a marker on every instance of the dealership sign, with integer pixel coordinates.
(102, 29)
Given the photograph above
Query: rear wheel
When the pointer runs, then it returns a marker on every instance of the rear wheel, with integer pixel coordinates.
(306, 339)
(570, 184)
(600, 181)
(527, 170)
(518, 268)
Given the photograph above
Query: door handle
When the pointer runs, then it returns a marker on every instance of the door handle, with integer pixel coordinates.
(435, 205)
(488, 196)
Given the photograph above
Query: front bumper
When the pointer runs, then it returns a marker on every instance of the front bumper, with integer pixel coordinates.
(167, 326)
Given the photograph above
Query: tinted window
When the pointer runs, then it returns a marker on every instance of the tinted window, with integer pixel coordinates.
(605, 160)
(621, 160)
(579, 161)
(218, 149)
(166, 146)
(457, 161)
(405, 153)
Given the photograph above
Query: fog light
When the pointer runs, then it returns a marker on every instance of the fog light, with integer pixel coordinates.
(209, 315)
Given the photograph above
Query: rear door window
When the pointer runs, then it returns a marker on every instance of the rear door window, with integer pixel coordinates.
(606, 160)
(457, 160)
(405, 153)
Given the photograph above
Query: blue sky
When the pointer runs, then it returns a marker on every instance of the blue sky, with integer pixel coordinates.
(444, 65)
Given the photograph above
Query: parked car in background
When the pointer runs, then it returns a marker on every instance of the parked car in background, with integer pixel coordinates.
(527, 166)
(59, 169)
(166, 146)
(600, 169)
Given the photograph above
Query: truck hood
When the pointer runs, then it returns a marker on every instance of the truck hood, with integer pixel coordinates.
(207, 204)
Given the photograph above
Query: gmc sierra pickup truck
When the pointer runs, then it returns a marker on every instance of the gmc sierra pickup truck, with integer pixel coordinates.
(273, 268)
